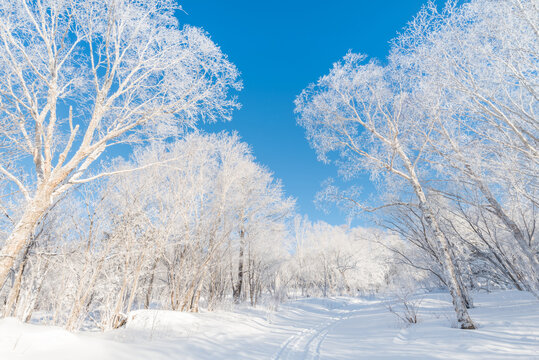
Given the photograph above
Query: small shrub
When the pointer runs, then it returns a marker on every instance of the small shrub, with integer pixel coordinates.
(409, 313)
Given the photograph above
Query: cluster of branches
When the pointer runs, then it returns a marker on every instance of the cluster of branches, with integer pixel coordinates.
(77, 77)
(448, 129)
(193, 229)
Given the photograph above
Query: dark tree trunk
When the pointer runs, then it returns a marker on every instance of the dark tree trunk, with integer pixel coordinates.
(236, 292)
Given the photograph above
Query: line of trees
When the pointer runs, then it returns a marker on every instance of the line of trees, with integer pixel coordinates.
(330, 260)
(448, 127)
(205, 227)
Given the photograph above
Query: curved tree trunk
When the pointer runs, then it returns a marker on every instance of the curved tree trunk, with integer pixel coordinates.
(24, 229)
(15, 291)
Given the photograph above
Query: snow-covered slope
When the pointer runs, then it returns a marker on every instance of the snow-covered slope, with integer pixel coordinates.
(342, 328)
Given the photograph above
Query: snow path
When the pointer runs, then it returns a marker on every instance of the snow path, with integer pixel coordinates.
(306, 344)
(307, 329)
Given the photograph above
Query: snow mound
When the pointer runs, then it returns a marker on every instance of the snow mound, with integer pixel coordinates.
(171, 322)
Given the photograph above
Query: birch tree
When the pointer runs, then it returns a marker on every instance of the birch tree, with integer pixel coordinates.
(362, 112)
(473, 69)
(77, 77)
(449, 128)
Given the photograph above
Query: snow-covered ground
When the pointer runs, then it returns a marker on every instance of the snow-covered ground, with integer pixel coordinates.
(341, 328)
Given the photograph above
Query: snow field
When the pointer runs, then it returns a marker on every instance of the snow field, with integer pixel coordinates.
(338, 328)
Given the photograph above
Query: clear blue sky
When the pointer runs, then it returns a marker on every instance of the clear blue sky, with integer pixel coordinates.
(280, 47)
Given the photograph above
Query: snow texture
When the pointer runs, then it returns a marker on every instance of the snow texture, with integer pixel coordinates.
(337, 328)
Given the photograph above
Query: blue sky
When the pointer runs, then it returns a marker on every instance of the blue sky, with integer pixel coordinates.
(280, 47)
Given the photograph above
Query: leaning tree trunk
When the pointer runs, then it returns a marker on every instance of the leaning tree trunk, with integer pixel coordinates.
(14, 293)
(515, 230)
(24, 229)
(450, 273)
(449, 269)
(527, 254)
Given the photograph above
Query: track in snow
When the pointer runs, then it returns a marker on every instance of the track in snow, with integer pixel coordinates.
(306, 344)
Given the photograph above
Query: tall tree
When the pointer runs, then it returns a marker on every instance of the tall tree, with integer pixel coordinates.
(78, 77)
(362, 112)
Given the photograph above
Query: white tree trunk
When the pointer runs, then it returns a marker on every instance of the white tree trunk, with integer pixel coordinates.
(450, 273)
(22, 233)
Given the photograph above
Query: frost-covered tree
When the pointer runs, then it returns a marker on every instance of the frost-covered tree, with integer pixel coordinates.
(338, 260)
(448, 127)
(203, 212)
(203, 225)
(362, 112)
(473, 69)
(77, 77)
